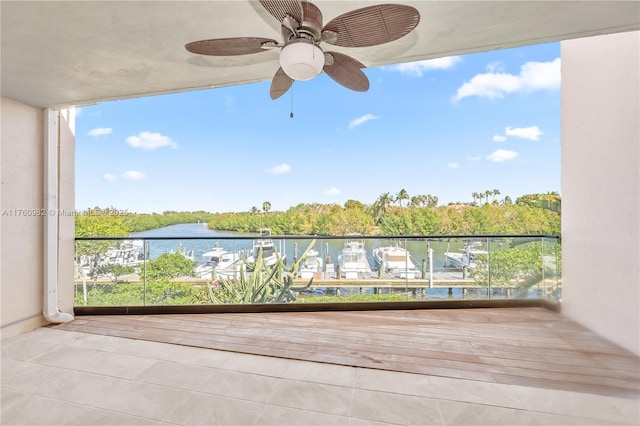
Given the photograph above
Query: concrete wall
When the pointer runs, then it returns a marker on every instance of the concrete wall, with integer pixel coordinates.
(601, 185)
(22, 240)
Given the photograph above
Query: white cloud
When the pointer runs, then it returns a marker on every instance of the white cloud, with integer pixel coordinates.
(495, 67)
(148, 140)
(100, 131)
(499, 138)
(109, 177)
(502, 155)
(133, 175)
(453, 165)
(332, 191)
(358, 121)
(533, 76)
(280, 169)
(532, 133)
(416, 69)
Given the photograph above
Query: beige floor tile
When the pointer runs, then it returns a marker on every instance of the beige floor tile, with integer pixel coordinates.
(316, 397)
(38, 410)
(93, 361)
(105, 392)
(9, 399)
(177, 375)
(291, 369)
(31, 378)
(283, 416)
(199, 356)
(234, 384)
(599, 407)
(363, 422)
(10, 367)
(458, 413)
(395, 408)
(141, 348)
(25, 349)
(203, 409)
(440, 387)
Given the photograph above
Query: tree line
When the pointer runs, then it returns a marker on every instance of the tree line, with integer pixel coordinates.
(398, 214)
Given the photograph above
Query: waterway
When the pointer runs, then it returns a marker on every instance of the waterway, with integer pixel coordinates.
(234, 241)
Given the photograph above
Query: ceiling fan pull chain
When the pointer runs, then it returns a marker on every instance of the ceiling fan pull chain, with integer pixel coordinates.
(291, 113)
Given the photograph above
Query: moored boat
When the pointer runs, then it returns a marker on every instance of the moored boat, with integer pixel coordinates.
(395, 259)
(465, 258)
(265, 245)
(353, 261)
(219, 261)
(311, 265)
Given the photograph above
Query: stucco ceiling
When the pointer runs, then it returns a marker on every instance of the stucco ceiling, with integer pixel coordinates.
(78, 52)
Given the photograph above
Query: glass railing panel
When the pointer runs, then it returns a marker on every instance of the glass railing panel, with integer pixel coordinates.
(253, 270)
(107, 272)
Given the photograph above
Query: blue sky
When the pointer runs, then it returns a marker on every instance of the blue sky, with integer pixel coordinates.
(446, 127)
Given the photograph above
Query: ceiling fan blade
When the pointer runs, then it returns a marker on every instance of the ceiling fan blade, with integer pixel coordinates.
(373, 25)
(280, 9)
(229, 46)
(280, 84)
(347, 71)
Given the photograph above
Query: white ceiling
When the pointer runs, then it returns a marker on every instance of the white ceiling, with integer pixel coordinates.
(57, 53)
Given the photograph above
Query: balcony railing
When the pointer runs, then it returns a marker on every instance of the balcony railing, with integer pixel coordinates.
(252, 270)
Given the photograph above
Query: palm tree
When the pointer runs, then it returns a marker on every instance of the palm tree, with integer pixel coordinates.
(415, 201)
(494, 194)
(401, 196)
(380, 207)
(487, 194)
(431, 201)
(476, 197)
(266, 206)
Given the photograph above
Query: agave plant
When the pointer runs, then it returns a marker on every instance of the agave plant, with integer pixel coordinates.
(263, 284)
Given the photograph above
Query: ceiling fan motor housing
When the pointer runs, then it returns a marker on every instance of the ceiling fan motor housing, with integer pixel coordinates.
(301, 59)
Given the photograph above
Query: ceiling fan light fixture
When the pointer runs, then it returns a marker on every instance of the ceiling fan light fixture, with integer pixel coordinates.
(301, 59)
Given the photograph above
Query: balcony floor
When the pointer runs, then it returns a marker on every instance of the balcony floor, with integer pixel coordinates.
(464, 366)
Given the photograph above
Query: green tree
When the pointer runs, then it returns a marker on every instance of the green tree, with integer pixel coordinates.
(401, 196)
(170, 265)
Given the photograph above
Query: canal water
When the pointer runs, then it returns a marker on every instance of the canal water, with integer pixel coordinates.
(234, 241)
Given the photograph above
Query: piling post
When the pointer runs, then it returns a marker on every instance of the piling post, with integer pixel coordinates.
(424, 269)
(430, 267)
(295, 252)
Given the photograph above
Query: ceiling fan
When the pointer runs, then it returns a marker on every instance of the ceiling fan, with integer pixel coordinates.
(301, 57)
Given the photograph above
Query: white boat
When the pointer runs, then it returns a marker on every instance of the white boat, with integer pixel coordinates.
(311, 266)
(395, 259)
(352, 260)
(127, 253)
(465, 258)
(220, 262)
(265, 245)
